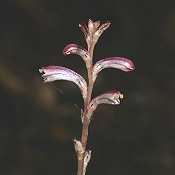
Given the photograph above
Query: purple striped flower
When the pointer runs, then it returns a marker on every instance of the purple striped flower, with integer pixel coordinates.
(76, 49)
(53, 73)
(123, 64)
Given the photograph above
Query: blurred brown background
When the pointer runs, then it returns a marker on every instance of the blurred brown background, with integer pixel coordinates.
(37, 122)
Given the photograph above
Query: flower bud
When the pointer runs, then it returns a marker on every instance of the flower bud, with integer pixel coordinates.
(75, 49)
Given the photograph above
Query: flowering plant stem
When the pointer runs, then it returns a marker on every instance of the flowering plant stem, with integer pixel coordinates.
(86, 118)
(92, 33)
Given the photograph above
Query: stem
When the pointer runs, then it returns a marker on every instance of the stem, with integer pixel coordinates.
(88, 99)
(86, 117)
(80, 167)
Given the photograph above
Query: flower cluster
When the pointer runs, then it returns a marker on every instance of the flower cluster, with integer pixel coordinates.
(92, 31)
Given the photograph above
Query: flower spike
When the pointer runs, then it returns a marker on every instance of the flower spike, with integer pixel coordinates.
(53, 73)
(92, 32)
(123, 64)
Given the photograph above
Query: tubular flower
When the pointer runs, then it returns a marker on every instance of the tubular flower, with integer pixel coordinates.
(53, 73)
(92, 32)
(75, 49)
(109, 97)
(123, 64)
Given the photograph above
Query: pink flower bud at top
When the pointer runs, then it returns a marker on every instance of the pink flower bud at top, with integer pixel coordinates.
(100, 30)
(53, 73)
(91, 26)
(96, 25)
(93, 30)
(84, 28)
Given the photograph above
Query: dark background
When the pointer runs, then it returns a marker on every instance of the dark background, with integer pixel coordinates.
(37, 122)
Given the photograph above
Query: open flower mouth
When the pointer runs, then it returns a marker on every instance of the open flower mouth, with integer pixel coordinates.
(117, 101)
(117, 98)
(109, 97)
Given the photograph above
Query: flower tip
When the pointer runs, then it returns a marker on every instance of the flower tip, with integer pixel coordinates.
(70, 49)
(67, 49)
(131, 66)
(108, 23)
(90, 20)
(41, 70)
(121, 96)
(90, 25)
(117, 97)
